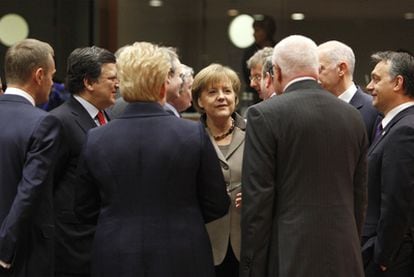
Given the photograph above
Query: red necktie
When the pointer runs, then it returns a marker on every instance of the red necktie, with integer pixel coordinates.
(101, 118)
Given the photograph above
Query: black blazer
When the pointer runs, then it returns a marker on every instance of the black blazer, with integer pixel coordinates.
(73, 239)
(29, 140)
(154, 180)
(390, 213)
(363, 103)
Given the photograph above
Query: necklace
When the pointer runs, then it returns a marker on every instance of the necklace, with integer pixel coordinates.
(222, 136)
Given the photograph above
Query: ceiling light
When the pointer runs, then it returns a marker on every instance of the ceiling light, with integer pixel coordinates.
(297, 16)
(155, 3)
(409, 16)
(241, 31)
(232, 12)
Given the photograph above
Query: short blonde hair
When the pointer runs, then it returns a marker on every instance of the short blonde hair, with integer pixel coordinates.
(24, 57)
(212, 74)
(142, 71)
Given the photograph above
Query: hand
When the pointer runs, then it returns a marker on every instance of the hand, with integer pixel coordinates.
(4, 264)
(238, 200)
(383, 268)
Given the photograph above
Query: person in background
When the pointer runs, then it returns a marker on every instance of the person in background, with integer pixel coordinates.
(174, 83)
(91, 79)
(29, 142)
(304, 175)
(150, 180)
(58, 95)
(388, 236)
(255, 64)
(215, 92)
(183, 101)
(267, 88)
(264, 29)
(1, 87)
(337, 64)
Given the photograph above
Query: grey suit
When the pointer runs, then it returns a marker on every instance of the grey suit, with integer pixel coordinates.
(227, 228)
(304, 186)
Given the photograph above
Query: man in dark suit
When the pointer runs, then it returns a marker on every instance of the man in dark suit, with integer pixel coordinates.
(92, 82)
(152, 180)
(304, 175)
(388, 247)
(29, 140)
(337, 64)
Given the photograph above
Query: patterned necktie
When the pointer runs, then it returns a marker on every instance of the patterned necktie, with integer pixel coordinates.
(101, 118)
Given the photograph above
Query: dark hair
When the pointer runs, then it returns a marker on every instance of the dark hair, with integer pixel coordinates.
(267, 23)
(401, 63)
(86, 63)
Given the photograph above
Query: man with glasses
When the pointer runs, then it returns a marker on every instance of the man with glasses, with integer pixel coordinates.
(92, 82)
(255, 65)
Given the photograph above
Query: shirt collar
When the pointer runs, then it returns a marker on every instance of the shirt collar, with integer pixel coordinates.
(348, 94)
(91, 109)
(22, 93)
(297, 80)
(391, 114)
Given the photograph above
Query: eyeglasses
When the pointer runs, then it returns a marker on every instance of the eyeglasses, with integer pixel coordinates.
(255, 78)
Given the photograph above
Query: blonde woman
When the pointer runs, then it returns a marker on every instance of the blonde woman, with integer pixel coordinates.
(215, 95)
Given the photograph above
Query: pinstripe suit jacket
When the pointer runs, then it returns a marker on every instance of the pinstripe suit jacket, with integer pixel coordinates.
(304, 186)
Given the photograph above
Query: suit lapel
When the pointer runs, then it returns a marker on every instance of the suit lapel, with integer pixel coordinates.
(394, 121)
(356, 100)
(81, 115)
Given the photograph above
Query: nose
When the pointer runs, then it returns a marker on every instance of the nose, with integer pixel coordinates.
(370, 87)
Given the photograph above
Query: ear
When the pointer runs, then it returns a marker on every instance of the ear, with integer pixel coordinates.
(200, 104)
(277, 73)
(88, 84)
(399, 85)
(342, 69)
(163, 93)
(268, 80)
(38, 75)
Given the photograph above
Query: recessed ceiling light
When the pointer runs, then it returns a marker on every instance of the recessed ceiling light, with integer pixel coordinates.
(297, 16)
(155, 3)
(409, 16)
(232, 12)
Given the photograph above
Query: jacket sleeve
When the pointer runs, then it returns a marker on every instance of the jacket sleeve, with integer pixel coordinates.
(211, 191)
(258, 190)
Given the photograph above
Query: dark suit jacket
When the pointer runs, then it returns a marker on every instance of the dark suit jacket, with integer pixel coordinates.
(304, 186)
(155, 180)
(363, 102)
(73, 239)
(390, 213)
(29, 139)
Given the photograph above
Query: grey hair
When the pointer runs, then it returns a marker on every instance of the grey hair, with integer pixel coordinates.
(296, 54)
(337, 52)
(259, 57)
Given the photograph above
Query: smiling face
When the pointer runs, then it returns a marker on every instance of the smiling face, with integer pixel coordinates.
(218, 99)
(104, 89)
(382, 87)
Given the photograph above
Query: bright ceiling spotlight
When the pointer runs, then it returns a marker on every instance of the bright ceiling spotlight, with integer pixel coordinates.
(241, 31)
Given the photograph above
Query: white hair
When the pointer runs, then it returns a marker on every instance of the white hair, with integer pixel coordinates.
(296, 55)
(337, 52)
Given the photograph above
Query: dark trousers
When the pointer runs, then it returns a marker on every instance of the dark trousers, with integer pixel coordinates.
(401, 266)
(230, 265)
